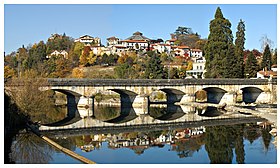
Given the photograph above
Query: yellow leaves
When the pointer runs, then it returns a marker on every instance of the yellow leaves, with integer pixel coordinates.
(77, 73)
(190, 65)
(9, 72)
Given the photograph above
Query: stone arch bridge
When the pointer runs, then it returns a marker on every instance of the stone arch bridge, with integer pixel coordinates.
(136, 92)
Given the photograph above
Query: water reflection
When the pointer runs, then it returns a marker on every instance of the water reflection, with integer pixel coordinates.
(210, 111)
(223, 144)
(28, 148)
(169, 112)
(113, 114)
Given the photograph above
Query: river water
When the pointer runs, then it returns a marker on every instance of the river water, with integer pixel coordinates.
(207, 138)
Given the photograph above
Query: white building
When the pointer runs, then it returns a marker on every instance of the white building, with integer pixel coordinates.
(56, 53)
(112, 41)
(182, 51)
(137, 41)
(88, 40)
(198, 68)
(161, 48)
(196, 53)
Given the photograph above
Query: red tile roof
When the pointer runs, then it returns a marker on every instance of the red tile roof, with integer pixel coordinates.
(134, 41)
(172, 40)
(268, 73)
(183, 47)
(197, 50)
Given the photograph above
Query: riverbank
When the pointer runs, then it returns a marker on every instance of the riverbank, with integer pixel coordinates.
(59, 147)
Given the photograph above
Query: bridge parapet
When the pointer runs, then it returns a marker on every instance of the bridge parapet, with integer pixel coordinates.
(146, 82)
(157, 82)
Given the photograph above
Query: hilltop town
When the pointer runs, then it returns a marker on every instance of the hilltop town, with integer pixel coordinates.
(184, 55)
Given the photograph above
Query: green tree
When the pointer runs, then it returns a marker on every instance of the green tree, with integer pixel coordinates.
(274, 57)
(251, 66)
(239, 50)
(218, 46)
(59, 42)
(124, 71)
(36, 57)
(183, 30)
(266, 60)
(218, 144)
(154, 67)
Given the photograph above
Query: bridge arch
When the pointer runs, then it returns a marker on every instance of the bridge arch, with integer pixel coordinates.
(127, 96)
(214, 94)
(250, 94)
(173, 95)
(72, 100)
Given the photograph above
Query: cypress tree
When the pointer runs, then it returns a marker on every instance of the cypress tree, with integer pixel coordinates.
(238, 52)
(218, 47)
(266, 60)
(274, 57)
(251, 66)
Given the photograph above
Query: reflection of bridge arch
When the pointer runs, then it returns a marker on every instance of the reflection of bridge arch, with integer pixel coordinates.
(250, 94)
(171, 112)
(72, 102)
(127, 96)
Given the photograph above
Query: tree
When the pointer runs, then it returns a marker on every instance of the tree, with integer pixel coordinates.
(154, 67)
(185, 36)
(183, 30)
(62, 68)
(124, 71)
(266, 41)
(266, 60)
(75, 53)
(9, 72)
(251, 66)
(239, 48)
(85, 55)
(274, 57)
(218, 46)
(77, 73)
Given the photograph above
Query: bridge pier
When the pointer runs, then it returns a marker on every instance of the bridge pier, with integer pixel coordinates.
(229, 98)
(264, 98)
(85, 112)
(141, 103)
(187, 98)
(85, 102)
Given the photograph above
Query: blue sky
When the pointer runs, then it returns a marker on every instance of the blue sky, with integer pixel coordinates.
(26, 24)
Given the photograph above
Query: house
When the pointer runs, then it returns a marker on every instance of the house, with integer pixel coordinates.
(182, 51)
(112, 41)
(136, 42)
(196, 53)
(58, 53)
(172, 40)
(198, 68)
(88, 40)
(161, 48)
(98, 50)
(266, 74)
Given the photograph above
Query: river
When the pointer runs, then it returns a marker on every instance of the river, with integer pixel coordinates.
(201, 137)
